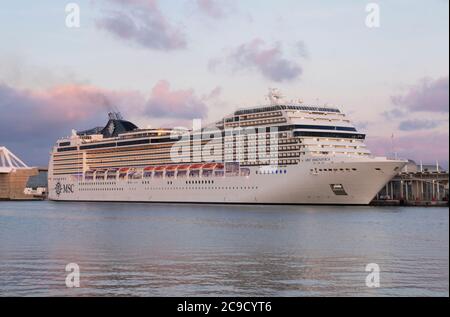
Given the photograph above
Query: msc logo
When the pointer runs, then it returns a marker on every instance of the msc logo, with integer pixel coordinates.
(63, 189)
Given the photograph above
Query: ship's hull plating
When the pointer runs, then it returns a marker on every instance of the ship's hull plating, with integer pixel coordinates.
(361, 180)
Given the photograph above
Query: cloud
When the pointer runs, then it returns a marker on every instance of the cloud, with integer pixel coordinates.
(414, 125)
(141, 22)
(302, 50)
(60, 105)
(427, 96)
(214, 94)
(31, 121)
(213, 8)
(180, 104)
(425, 146)
(361, 125)
(268, 60)
(394, 114)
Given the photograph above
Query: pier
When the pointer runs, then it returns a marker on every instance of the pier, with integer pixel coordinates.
(416, 185)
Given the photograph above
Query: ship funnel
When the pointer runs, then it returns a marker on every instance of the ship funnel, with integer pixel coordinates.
(115, 116)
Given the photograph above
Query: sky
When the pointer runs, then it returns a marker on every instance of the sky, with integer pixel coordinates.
(163, 63)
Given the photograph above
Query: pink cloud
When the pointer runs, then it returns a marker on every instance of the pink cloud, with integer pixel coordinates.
(425, 146)
(427, 96)
(31, 121)
(183, 104)
(268, 60)
(142, 22)
(212, 8)
(64, 103)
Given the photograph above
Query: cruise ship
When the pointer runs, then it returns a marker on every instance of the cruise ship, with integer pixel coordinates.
(279, 153)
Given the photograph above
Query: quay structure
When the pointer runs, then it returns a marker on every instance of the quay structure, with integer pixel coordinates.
(14, 176)
(416, 185)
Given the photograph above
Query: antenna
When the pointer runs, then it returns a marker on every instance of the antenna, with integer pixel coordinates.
(393, 147)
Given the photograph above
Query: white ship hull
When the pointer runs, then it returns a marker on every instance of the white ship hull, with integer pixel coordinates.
(306, 183)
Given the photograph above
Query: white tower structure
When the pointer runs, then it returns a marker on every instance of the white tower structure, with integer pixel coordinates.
(9, 162)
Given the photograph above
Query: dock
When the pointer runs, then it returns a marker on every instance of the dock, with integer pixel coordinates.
(416, 185)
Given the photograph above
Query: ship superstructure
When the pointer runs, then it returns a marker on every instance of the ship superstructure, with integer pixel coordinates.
(282, 153)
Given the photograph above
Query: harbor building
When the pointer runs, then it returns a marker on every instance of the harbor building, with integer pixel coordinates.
(416, 185)
(14, 176)
(37, 185)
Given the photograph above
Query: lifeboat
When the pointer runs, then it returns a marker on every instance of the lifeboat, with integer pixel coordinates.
(209, 166)
(213, 166)
(112, 173)
(148, 171)
(136, 174)
(183, 167)
(100, 174)
(196, 166)
(123, 173)
(89, 175)
(172, 168)
(159, 171)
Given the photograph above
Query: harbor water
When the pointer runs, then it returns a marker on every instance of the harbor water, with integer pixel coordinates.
(201, 250)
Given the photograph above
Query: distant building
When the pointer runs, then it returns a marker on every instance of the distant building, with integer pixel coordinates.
(14, 176)
(37, 185)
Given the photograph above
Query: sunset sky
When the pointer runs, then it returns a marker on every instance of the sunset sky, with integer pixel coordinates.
(163, 63)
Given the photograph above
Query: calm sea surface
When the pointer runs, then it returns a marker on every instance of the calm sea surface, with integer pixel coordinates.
(173, 250)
